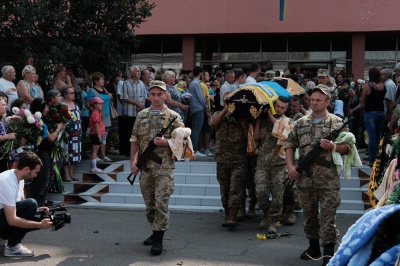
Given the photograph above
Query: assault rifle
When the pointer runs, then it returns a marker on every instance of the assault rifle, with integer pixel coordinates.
(313, 155)
(148, 153)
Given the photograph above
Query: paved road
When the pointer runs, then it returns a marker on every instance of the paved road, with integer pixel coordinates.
(114, 237)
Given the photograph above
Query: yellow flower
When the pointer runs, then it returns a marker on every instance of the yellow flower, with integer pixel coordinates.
(39, 140)
(278, 224)
(261, 237)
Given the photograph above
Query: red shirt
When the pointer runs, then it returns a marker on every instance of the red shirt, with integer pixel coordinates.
(95, 117)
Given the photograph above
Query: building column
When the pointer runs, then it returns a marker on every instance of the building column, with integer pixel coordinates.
(358, 55)
(188, 52)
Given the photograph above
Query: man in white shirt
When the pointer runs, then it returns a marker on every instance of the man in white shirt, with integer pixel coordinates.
(226, 87)
(17, 216)
(390, 96)
(254, 70)
(6, 84)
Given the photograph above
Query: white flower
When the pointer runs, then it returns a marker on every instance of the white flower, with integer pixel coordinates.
(8, 118)
(30, 119)
(27, 112)
(15, 110)
(38, 115)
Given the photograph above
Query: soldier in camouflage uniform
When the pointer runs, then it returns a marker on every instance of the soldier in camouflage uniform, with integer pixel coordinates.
(230, 154)
(157, 184)
(290, 196)
(320, 185)
(271, 168)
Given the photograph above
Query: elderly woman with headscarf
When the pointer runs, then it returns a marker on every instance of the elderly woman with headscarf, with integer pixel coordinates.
(27, 88)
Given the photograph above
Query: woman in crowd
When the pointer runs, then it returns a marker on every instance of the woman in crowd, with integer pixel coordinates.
(372, 98)
(27, 88)
(44, 150)
(181, 86)
(19, 103)
(60, 77)
(74, 145)
(99, 91)
(3, 135)
(54, 95)
(146, 77)
(173, 100)
(354, 110)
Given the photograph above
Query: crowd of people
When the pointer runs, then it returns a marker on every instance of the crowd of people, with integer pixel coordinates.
(198, 99)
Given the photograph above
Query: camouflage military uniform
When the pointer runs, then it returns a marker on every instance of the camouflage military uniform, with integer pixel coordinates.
(157, 184)
(270, 174)
(230, 154)
(296, 116)
(323, 184)
(291, 196)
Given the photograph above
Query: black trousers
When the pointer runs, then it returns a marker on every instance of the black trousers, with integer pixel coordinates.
(125, 132)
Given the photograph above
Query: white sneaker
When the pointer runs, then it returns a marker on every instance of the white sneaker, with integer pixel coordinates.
(208, 153)
(18, 251)
(96, 170)
(106, 159)
(99, 160)
(199, 154)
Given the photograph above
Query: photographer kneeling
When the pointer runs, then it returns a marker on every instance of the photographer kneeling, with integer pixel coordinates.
(17, 217)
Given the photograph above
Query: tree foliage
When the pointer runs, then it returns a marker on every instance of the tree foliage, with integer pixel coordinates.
(90, 33)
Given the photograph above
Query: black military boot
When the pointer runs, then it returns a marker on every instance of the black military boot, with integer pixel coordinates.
(157, 247)
(329, 250)
(149, 241)
(312, 251)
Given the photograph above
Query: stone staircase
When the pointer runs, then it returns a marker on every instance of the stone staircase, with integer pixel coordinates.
(196, 188)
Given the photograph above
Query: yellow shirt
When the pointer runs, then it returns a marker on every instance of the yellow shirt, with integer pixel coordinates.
(206, 93)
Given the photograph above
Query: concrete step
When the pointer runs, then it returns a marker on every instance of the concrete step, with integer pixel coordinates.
(196, 188)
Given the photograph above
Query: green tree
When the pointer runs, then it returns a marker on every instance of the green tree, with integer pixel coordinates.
(88, 33)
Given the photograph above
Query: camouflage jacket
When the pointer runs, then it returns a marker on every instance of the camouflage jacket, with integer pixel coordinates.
(230, 140)
(146, 127)
(269, 149)
(296, 116)
(304, 135)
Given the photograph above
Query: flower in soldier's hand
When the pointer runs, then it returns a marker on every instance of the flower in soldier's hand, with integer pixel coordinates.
(38, 115)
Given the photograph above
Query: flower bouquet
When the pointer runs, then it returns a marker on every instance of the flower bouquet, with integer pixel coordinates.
(28, 128)
(59, 113)
(185, 98)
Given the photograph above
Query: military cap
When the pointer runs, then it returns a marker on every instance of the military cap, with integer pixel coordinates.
(322, 72)
(158, 84)
(324, 89)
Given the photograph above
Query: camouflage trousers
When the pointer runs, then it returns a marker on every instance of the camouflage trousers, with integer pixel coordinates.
(323, 227)
(156, 186)
(289, 199)
(231, 181)
(269, 181)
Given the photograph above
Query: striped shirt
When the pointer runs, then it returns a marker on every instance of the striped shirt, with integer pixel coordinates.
(135, 91)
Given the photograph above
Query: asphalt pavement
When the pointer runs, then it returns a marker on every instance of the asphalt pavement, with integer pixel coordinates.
(115, 237)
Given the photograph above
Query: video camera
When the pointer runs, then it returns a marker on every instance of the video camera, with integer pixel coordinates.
(59, 219)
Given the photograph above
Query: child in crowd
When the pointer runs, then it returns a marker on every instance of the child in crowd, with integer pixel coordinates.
(97, 129)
